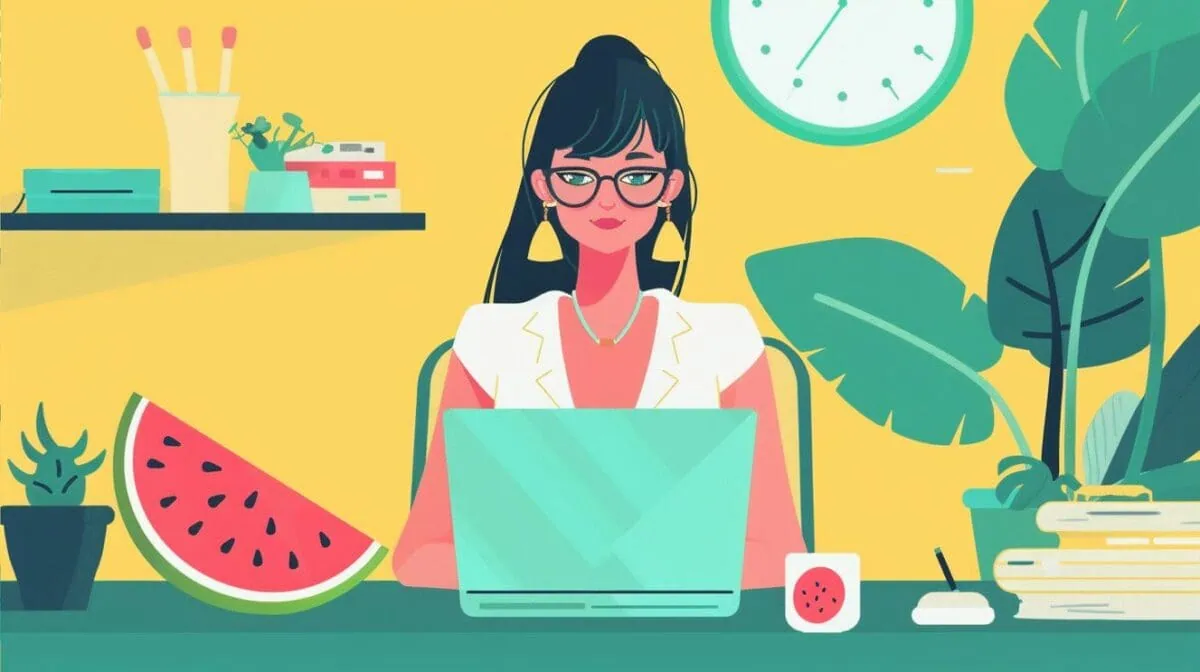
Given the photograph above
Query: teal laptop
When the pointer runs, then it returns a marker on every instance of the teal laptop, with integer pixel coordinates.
(599, 513)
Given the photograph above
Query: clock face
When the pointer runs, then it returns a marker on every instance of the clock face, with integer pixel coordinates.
(842, 72)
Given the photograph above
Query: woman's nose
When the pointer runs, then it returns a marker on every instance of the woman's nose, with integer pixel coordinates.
(607, 198)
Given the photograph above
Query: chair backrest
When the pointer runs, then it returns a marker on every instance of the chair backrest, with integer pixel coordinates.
(803, 427)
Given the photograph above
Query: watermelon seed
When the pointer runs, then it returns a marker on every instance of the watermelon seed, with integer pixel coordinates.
(227, 546)
(154, 464)
(821, 610)
(195, 528)
(835, 600)
(257, 558)
(817, 598)
(270, 526)
(215, 501)
(804, 592)
(209, 467)
(324, 539)
(823, 590)
(807, 605)
(167, 501)
(250, 501)
(171, 441)
(293, 562)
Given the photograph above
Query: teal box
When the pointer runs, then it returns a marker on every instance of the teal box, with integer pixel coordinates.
(90, 190)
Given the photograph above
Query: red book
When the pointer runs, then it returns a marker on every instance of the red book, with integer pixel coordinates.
(347, 174)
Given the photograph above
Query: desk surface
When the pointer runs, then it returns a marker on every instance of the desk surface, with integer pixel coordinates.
(151, 626)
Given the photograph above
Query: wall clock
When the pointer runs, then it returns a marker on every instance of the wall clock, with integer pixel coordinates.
(842, 72)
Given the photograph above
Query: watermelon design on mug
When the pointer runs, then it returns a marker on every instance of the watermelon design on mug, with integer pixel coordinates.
(224, 531)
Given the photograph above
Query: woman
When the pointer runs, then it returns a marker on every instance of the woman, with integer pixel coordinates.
(581, 309)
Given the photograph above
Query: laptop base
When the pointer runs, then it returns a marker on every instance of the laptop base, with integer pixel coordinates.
(580, 604)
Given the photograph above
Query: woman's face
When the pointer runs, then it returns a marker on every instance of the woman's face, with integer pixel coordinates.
(608, 204)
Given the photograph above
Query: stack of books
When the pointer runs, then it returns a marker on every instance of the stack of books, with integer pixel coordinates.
(1116, 560)
(354, 177)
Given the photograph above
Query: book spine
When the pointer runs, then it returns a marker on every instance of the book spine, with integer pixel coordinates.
(347, 174)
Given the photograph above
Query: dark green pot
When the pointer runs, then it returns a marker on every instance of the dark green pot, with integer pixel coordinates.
(55, 552)
(998, 528)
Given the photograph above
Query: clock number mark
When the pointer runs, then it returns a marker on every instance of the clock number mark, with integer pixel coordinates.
(927, 3)
(821, 36)
(842, 96)
(920, 51)
(758, 3)
(887, 84)
(765, 49)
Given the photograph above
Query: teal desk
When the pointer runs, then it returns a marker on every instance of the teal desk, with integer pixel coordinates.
(135, 627)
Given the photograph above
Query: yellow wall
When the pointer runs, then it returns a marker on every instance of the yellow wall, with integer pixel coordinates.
(301, 352)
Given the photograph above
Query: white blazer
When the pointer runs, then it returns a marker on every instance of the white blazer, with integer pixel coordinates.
(514, 352)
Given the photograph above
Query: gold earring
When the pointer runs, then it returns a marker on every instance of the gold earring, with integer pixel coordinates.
(669, 244)
(544, 247)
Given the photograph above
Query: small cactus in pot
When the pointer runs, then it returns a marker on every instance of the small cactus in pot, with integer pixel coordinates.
(55, 543)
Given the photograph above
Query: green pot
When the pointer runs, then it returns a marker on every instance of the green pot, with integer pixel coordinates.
(278, 191)
(998, 528)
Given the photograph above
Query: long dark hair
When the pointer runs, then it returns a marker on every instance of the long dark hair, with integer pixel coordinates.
(596, 108)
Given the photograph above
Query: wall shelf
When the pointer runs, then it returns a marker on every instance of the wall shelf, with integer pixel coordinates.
(233, 221)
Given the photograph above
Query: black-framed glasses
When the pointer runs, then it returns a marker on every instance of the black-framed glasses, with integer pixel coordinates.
(638, 186)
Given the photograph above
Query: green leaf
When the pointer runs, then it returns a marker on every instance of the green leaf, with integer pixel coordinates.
(31, 452)
(1104, 433)
(1175, 436)
(43, 432)
(1012, 461)
(1136, 143)
(1178, 482)
(89, 467)
(292, 119)
(75, 451)
(1035, 264)
(22, 477)
(1087, 41)
(890, 324)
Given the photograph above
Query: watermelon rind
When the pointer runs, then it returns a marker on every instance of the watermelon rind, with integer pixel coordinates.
(192, 582)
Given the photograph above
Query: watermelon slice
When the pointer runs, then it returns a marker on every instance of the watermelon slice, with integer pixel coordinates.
(224, 531)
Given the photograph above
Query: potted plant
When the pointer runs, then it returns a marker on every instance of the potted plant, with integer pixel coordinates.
(1119, 119)
(273, 188)
(55, 543)
(891, 325)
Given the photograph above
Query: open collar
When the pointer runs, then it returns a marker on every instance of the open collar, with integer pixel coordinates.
(542, 350)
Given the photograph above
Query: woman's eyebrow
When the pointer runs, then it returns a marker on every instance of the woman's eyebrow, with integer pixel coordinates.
(637, 155)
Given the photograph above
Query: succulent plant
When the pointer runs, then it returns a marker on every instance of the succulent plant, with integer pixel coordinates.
(57, 479)
(269, 154)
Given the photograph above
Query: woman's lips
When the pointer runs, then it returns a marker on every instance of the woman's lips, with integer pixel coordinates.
(607, 223)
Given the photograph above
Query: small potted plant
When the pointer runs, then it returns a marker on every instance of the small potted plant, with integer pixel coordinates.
(55, 543)
(273, 188)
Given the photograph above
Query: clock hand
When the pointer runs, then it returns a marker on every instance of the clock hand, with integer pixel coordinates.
(821, 36)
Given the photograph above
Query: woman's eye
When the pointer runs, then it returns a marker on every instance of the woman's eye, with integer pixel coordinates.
(575, 179)
(637, 179)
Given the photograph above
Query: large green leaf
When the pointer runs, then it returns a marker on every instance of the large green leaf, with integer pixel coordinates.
(891, 323)
(1087, 40)
(1175, 436)
(1178, 482)
(1035, 264)
(1136, 143)
(1104, 433)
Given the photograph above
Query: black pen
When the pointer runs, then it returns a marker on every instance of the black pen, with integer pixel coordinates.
(945, 569)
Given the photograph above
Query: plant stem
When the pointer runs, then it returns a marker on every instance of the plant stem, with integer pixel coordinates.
(1154, 367)
(939, 354)
(1089, 256)
(1052, 423)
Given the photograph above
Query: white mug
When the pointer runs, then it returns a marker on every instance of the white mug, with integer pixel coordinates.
(822, 592)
